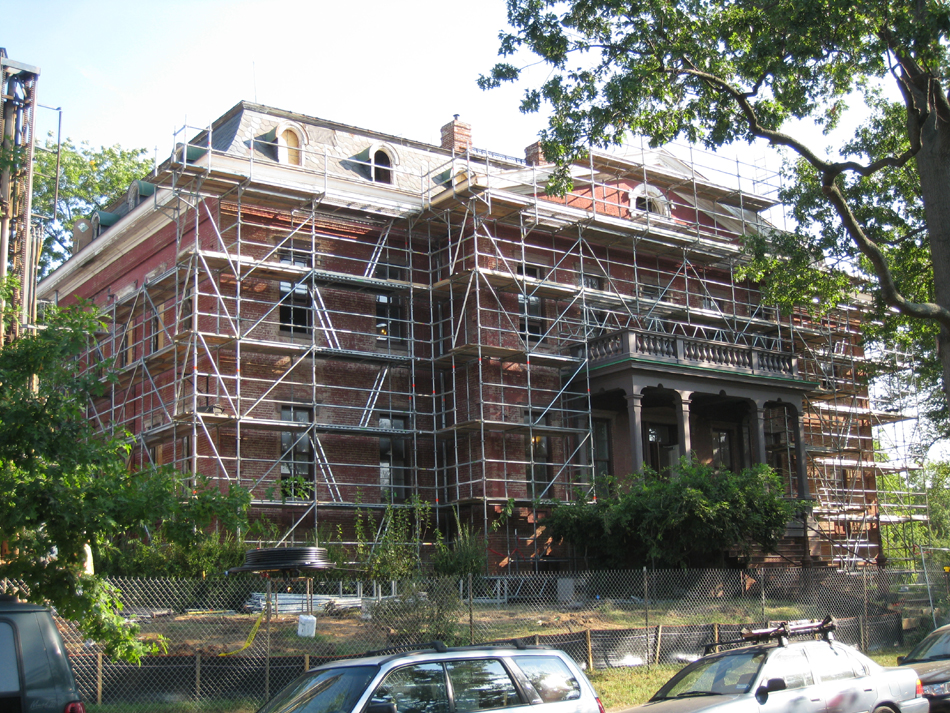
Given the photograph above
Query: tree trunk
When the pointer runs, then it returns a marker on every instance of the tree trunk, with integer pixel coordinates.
(933, 165)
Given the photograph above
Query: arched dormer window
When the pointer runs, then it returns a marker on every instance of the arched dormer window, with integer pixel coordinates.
(382, 167)
(291, 141)
(648, 199)
(382, 160)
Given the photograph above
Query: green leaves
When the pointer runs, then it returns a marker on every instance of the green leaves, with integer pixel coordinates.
(717, 72)
(690, 518)
(90, 179)
(66, 487)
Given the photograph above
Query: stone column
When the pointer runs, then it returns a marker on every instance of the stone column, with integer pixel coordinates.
(636, 431)
(757, 407)
(682, 422)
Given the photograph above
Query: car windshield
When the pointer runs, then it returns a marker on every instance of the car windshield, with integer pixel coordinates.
(714, 676)
(333, 690)
(936, 646)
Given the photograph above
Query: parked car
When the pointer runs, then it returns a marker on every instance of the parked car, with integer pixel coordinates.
(443, 680)
(931, 660)
(767, 671)
(35, 675)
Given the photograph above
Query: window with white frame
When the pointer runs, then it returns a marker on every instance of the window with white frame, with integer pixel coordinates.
(537, 455)
(648, 199)
(530, 307)
(389, 307)
(295, 309)
(393, 457)
(296, 454)
(290, 144)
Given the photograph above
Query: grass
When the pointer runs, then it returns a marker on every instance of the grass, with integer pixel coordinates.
(621, 688)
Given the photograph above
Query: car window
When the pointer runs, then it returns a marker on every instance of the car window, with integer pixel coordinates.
(733, 673)
(935, 646)
(481, 684)
(327, 691)
(415, 689)
(791, 665)
(551, 678)
(831, 663)
(9, 667)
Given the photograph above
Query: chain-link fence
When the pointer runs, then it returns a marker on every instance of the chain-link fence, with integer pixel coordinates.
(242, 639)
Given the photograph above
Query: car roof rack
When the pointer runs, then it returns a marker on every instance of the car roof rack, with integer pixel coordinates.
(781, 633)
(441, 648)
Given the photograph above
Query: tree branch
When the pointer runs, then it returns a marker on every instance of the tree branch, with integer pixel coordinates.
(870, 249)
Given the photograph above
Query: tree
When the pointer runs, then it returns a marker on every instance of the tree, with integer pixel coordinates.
(720, 72)
(64, 486)
(689, 518)
(90, 179)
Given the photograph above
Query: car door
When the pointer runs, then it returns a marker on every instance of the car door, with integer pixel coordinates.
(845, 683)
(801, 695)
(549, 681)
(417, 688)
(482, 685)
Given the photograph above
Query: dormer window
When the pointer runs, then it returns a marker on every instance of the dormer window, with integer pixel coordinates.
(647, 204)
(648, 199)
(290, 141)
(382, 167)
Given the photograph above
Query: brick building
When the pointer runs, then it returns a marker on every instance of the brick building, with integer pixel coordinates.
(335, 317)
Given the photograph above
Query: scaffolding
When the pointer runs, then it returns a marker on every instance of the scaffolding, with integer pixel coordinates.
(332, 343)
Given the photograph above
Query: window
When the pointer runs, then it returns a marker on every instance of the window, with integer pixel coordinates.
(157, 327)
(722, 448)
(831, 663)
(592, 282)
(290, 142)
(9, 666)
(537, 452)
(296, 455)
(296, 315)
(123, 350)
(601, 453)
(648, 292)
(648, 199)
(382, 167)
(392, 458)
(661, 451)
(414, 689)
(480, 685)
(531, 325)
(552, 680)
(389, 317)
(791, 665)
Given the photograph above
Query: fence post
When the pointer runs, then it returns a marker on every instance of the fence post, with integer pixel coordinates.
(765, 621)
(646, 612)
(198, 675)
(306, 662)
(590, 651)
(864, 619)
(471, 613)
(267, 653)
(659, 637)
(99, 679)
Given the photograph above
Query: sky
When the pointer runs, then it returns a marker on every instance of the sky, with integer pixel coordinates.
(132, 73)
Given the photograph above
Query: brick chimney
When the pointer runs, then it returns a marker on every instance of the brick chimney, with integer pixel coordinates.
(457, 136)
(533, 155)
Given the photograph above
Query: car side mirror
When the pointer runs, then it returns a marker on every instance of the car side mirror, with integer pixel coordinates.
(770, 686)
(381, 708)
(901, 660)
